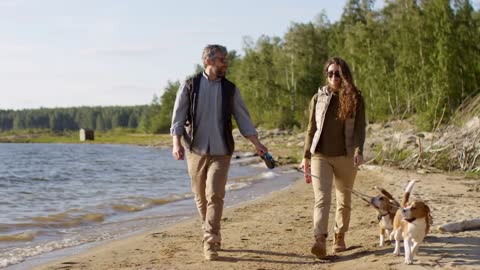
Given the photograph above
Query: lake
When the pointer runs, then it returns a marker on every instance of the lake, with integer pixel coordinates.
(57, 196)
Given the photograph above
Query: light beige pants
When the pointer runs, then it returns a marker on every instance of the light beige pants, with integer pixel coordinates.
(326, 168)
(209, 176)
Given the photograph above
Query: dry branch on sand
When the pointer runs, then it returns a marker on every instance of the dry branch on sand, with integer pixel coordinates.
(464, 225)
(455, 147)
(458, 148)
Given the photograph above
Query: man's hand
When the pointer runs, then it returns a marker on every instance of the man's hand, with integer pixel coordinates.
(305, 167)
(259, 147)
(178, 151)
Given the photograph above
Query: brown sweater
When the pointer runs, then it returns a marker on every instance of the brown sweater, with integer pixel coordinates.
(332, 139)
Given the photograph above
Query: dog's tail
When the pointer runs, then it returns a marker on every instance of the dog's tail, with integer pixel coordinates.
(408, 190)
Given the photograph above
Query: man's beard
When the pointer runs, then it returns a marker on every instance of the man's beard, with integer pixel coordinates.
(220, 73)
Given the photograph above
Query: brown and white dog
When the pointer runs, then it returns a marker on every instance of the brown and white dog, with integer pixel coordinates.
(386, 207)
(411, 223)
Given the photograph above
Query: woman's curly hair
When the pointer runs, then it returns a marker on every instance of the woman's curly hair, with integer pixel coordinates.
(348, 91)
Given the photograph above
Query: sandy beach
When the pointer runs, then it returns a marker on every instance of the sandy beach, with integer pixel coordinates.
(274, 232)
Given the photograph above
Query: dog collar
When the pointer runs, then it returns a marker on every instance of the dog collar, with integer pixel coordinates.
(380, 216)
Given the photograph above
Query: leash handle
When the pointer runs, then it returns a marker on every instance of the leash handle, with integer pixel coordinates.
(269, 161)
(307, 180)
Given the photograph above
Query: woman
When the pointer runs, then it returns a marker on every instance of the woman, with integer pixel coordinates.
(334, 147)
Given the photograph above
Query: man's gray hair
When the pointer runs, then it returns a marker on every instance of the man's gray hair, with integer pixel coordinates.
(210, 52)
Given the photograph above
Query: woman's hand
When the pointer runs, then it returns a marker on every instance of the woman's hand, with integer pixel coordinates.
(305, 167)
(357, 160)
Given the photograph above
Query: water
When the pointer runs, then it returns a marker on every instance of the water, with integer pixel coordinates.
(55, 196)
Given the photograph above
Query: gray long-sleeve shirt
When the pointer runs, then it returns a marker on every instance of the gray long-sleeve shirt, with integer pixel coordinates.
(208, 121)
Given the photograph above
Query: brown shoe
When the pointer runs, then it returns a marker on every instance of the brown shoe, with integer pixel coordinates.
(209, 251)
(319, 247)
(218, 246)
(339, 243)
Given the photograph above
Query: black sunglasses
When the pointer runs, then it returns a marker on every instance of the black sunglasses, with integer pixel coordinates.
(330, 74)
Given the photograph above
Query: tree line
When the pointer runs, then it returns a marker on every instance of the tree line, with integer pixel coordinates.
(416, 59)
(412, 58)
(60, 119)
(152, 118)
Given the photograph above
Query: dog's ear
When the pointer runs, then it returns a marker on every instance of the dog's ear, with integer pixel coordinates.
(394, 203)
(384, 192)
(379, 189)
(393, 206)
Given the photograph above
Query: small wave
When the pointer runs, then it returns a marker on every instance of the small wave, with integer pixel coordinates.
(142, 203)
(268, 175)
(68, 219)
(20, 237)
(128, 207)
(259, 177)
(158, 201)
(39, 179)
(18, 255)
(243, 182)
(94, 217)
(236, 186)
(52, 218)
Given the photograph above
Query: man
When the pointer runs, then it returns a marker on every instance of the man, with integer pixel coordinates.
(202, 117)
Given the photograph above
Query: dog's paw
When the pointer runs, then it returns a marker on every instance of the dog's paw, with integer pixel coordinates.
(408, 261)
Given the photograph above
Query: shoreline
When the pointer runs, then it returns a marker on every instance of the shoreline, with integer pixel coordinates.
(162, 231)
(244, 188)
(274, 232)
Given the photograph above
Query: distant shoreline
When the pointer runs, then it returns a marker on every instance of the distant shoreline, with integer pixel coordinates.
(101, 137)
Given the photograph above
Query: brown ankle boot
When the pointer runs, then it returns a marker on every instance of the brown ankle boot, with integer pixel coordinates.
(319, 248)
(339, 242)
(209, 251)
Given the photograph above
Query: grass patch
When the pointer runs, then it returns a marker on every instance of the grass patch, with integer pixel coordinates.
(473, 175)
(391, 156)
(116, 136)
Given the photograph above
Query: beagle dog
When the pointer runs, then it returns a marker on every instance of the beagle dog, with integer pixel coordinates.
(386, 207)
(411, 223)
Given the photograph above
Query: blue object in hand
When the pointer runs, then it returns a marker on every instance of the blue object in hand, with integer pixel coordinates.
(269, 161)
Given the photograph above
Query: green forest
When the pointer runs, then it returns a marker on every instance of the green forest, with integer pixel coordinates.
(411, 59)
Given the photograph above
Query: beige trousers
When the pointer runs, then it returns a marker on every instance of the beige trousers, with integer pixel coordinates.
(209, 176)
(326, 168)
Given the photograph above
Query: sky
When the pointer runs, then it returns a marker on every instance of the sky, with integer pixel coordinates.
(64, 53)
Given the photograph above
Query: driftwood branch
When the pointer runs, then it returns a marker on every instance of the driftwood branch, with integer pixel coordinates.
(464, 225)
